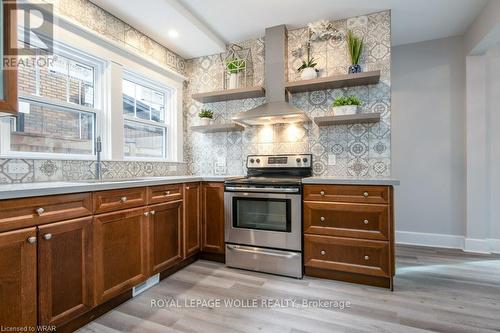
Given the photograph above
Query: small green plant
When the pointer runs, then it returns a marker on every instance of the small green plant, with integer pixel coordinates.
(349, 100)
(355, 47)
(236, 65)
(309, 63)
(206, 114)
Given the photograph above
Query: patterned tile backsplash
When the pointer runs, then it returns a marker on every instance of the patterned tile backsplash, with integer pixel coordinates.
(27, 170)
(361, 150)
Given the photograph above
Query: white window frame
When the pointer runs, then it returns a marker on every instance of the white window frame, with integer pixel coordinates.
(99, 109)
(169, 122)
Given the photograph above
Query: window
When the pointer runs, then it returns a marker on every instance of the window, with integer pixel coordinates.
(59, 107)
(147, 113)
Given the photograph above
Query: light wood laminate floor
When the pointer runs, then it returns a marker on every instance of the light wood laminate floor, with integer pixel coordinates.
(435, 290)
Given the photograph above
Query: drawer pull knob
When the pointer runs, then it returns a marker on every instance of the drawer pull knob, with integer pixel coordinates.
(366, 222)
(47, 236)
(187, 187)
(365, 194)
(367, 258)
(153, 212)
(40, 211)
(123, 199)
(322, 193)
(167, 192)
(322, 219)
(31, 240)
(323, 253)
(146, 213)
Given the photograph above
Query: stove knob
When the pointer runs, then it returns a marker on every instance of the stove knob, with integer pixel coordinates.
(257, 160)
(298, 160)
(304, 160)
(252, 160)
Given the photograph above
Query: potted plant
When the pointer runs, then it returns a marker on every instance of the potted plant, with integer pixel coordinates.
(205, 117)
(307, 70)
(343, 106)
(234, 67)
(355, 48)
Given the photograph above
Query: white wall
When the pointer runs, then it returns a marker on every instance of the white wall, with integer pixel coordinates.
(484, 32)
(428, 141)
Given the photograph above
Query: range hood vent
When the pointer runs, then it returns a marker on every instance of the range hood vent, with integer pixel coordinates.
(276, 110)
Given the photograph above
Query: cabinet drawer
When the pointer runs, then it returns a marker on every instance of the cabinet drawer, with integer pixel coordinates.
(346, 220)
(108, 201)
(348, 255)
(20, 213)
(347, 193)
(164, 193)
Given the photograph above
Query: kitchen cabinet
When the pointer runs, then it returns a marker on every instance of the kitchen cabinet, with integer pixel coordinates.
(65, 270)
(192, 219)
(213, 218)
(120, 251)
(165, 222)
(8, 79)
(18, 278)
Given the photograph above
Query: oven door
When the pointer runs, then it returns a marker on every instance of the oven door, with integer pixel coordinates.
(270, 220)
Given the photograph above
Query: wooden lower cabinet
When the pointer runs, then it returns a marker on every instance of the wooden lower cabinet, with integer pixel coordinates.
(192, 219)
(165, 235)
(65, 271)
(120, 252)
(18, 253)
(213, 218)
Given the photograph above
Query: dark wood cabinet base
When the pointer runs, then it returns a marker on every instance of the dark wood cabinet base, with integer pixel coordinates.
(376, 281)
(219, 257)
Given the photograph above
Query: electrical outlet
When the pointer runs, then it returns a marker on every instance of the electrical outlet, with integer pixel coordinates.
(332, 159)
(14, 168)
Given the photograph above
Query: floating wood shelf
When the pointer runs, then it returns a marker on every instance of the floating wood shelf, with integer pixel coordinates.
(349, 119)
(217, 128)
(230, 94)
(334, 82)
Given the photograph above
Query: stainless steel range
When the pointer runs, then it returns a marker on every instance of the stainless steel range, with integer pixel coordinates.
(263, 215)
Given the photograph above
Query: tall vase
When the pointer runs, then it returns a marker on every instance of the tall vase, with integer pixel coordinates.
(234, 81)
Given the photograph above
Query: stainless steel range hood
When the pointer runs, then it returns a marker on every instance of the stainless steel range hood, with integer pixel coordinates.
(276, 110)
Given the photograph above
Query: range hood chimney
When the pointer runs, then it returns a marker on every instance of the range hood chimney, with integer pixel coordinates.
(276, 110)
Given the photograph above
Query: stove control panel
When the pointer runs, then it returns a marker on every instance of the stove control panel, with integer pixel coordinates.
(279, 161)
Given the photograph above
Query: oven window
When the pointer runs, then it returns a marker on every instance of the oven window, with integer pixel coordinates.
(262, 214)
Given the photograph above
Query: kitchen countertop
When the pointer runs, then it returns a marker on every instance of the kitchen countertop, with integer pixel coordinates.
(24, 190)
(350, 181)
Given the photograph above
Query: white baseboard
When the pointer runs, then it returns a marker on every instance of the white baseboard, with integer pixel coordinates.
(426, 239)
(448, 241)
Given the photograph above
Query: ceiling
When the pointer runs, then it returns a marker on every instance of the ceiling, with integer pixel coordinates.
(204, 27)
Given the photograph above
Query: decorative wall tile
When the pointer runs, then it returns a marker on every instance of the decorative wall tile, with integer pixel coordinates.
(47, 170)
(16, 171)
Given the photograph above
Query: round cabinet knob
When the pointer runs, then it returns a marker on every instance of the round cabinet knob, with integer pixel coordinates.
(257, 160)
(252, 160)
(153, 212)
(47, 236)
(167, 192)
(322, 193)
(187, 187)
(365, 194)
(304, 160)
(367, 258)
(40, 211)
(323, 253)
(146, 213)
(365, 222)
(123, 199)
(322, 219)
(298, 160)
(31, 240)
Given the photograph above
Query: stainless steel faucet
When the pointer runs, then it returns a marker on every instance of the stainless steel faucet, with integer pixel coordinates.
(98, 150)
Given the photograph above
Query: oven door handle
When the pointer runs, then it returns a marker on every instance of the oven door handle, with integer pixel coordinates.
(263, 251)
(262, 189)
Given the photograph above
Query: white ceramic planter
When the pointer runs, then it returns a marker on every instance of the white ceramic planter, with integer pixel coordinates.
(308, 73)
(234, 81)
(205, 121)
(345, 110)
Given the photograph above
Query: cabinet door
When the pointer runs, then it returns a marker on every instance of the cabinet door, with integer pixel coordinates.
(192, 219)
(18, 278)
(65, 274)
(120, 252)
(166, 235)
(213, 218)
(8, 78)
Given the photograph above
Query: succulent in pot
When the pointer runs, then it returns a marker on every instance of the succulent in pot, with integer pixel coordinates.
(234, 67)
(205, 117)
(355, 48)
(348, 105)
